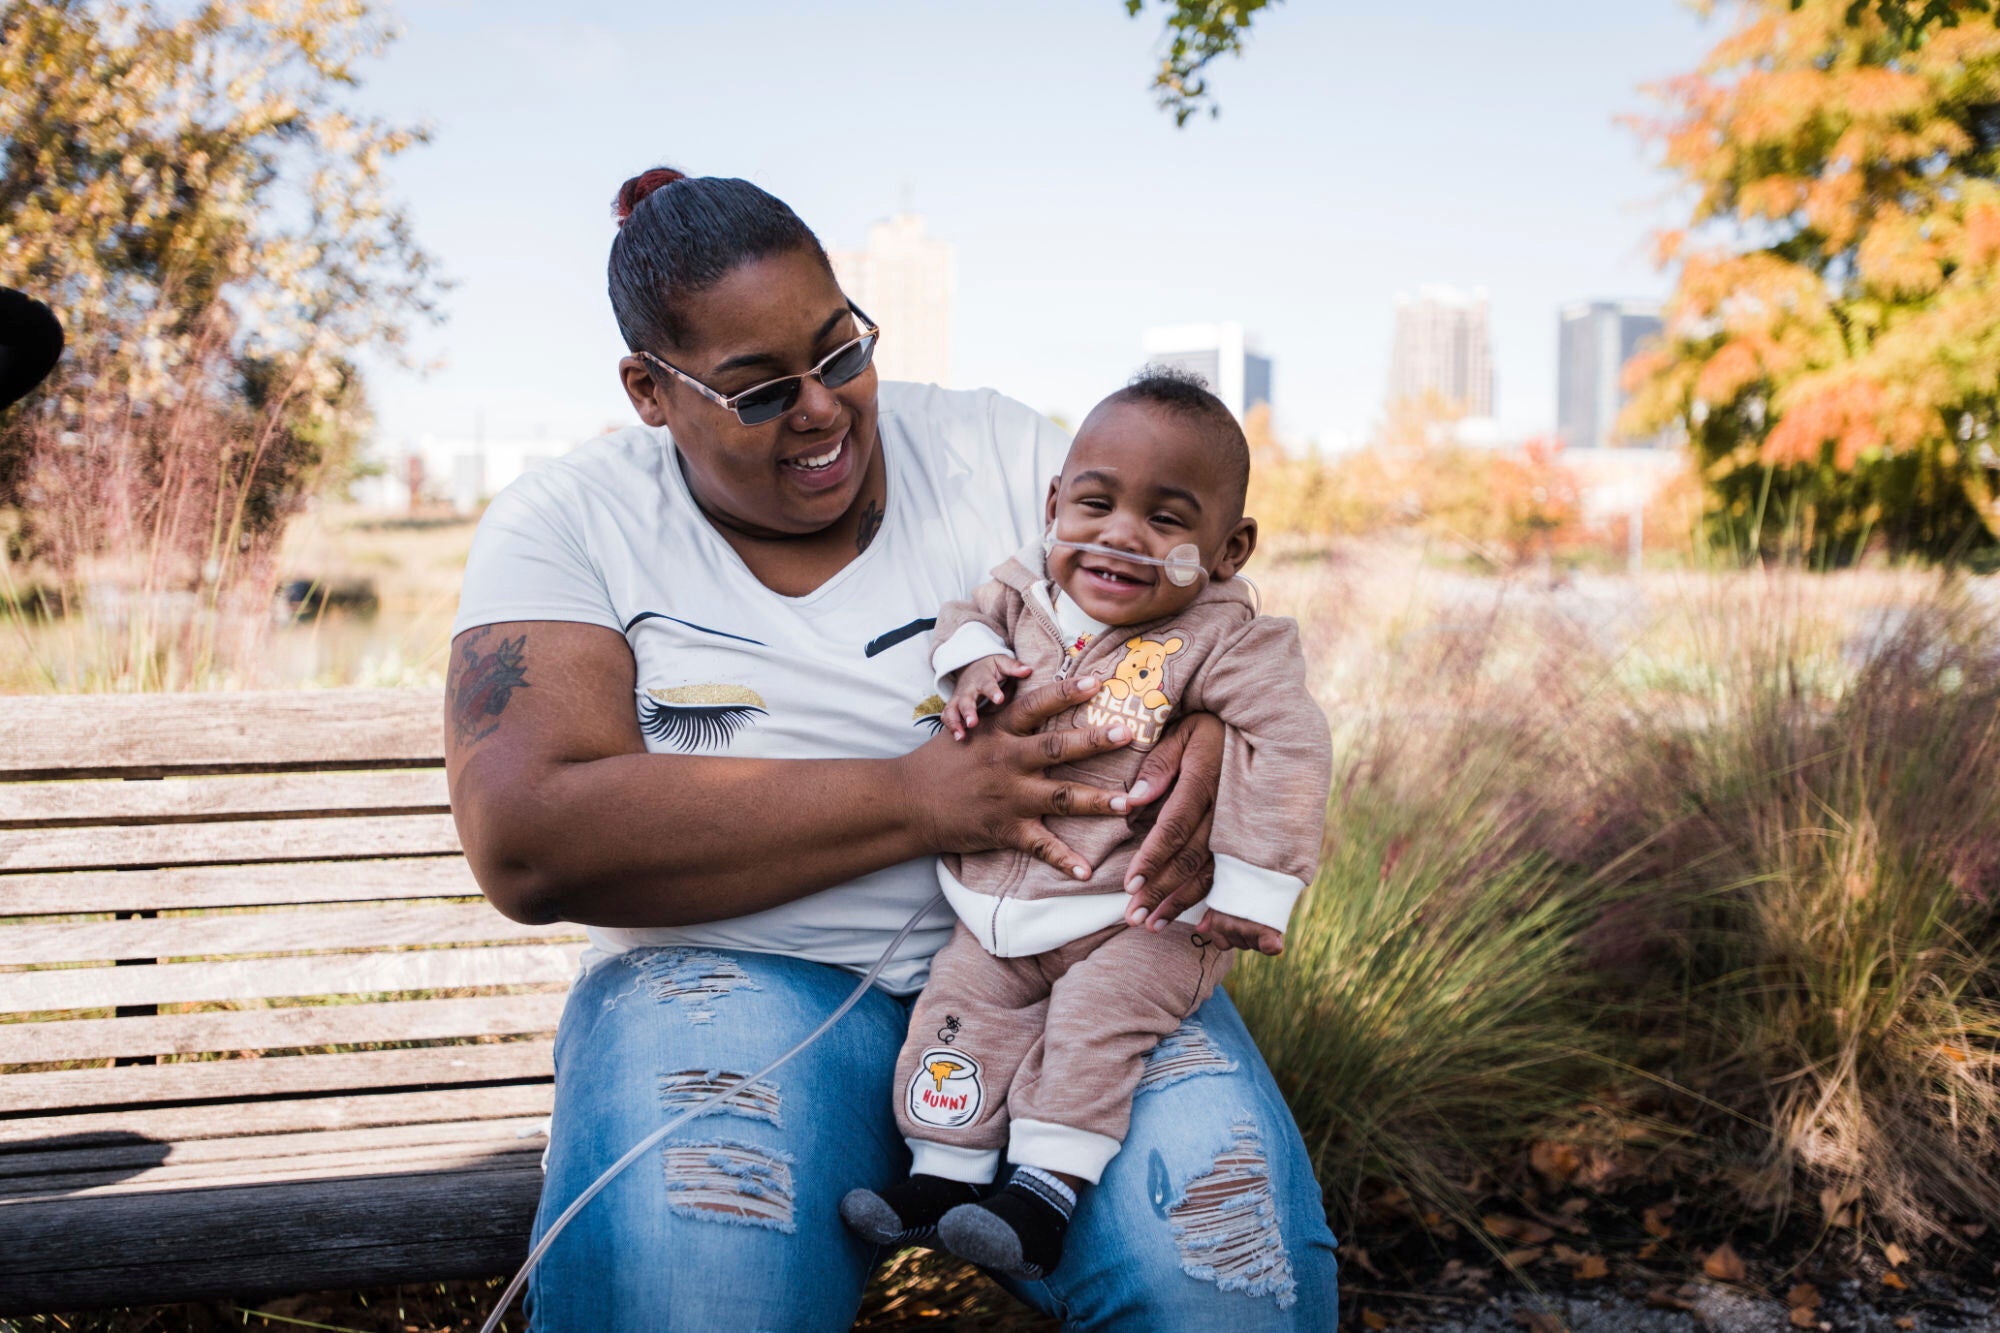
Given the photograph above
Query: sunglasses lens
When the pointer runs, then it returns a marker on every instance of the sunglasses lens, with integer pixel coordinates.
(767, 403)
(850, 361)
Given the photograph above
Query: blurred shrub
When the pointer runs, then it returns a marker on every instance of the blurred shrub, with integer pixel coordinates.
(183, 185)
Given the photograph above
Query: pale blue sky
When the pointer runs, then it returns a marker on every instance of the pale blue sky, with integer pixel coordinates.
(1363, 149)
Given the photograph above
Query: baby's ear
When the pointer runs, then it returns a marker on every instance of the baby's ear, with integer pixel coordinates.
(1049, 509)
(1236, 549)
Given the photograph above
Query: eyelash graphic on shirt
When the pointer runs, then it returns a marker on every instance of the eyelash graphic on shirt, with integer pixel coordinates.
(699, 717)
(882, 643)
(930, 713)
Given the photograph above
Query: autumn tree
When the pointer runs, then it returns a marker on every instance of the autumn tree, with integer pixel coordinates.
(183, 184)
(1833, 344)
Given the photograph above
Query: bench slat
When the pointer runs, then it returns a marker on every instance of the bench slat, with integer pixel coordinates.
(267, 932)
(185, 800)
(374, 1161)
(58, 736)
(235, 886)
(293, 1027)
(176, 1124)
(64, 1254)
(136, 1154)
(100, 848)
(218, 1080)
(270, 978)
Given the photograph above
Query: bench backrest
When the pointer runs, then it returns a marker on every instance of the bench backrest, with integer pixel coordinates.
(208, 902)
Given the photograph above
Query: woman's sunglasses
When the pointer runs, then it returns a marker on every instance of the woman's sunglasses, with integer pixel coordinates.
(766, 402)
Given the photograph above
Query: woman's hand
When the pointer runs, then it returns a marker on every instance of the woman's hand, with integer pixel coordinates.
(1238, 932)
(991, 790)
(1173, 870)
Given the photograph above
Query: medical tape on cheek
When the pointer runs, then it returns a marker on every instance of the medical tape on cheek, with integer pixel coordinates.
(1182, 565)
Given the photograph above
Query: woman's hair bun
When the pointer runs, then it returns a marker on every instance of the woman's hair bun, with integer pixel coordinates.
(633, 191)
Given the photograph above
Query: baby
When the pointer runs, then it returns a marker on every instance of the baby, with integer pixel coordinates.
(1041, 1009)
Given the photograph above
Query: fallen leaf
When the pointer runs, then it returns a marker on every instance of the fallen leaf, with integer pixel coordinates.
(1895, 1280)
(1666, 1298)
(1833, 1200)
(1515, 1228)
(1654, 1219)
(1522, 1257)
(1804, 1317)
(1574, 1207)
(1649, 1249)
(1895, 1254)
(1592, 1268)
(1432, 1219)
(1956, 1054)
(1724, 1264)
(1907, 1321)
(1358, 1256)
(1556, 1163)
(1565, 1255)
(1973, 1230)
(1804, 1296)
(1375, 1321)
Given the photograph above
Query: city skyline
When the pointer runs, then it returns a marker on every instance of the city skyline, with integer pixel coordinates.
(1083, 218)
(1595, 340)
(1443, 351)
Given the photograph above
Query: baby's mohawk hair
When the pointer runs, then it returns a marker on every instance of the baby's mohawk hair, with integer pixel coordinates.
(1187, 395)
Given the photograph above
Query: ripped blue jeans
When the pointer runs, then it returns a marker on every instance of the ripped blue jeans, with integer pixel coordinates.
(1208, 1218)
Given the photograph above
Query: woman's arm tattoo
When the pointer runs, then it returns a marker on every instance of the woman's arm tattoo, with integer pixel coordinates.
(482, 680)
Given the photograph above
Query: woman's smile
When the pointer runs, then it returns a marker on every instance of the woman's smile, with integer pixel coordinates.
(821, 467)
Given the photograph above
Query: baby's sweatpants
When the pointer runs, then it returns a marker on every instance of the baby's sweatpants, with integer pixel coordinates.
(1040, 1055)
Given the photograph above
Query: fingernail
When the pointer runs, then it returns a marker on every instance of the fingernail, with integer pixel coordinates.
(1140, 791)
(1086, 682)
(1116, 733)
(1120, 804)
(1137, 916)
(1134, 884)
(1157, 926)
(1081, 872)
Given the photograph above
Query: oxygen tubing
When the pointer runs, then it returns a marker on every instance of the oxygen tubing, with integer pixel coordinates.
(640, 1148)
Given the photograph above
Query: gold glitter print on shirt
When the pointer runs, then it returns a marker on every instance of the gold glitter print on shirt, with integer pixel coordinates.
(695, 718)
(929, 713)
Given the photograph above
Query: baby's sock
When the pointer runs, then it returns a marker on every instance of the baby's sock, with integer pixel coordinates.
(907, 1212)
(1019, 1231)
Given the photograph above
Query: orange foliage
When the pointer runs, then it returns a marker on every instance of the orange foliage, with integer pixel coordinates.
(1857, 318)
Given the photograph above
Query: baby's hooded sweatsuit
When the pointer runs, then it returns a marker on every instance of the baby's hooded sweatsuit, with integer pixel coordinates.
(1041, 1010)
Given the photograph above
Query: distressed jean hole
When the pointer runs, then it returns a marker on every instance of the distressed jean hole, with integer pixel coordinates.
(725, 1180)
(691, 980)
(754, 1101)
(1184, 1053)
(1226, 1223)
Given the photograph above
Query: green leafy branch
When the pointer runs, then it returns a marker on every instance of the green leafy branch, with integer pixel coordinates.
(1198, 32)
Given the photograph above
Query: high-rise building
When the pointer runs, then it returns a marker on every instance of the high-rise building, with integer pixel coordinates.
(1596, 339)
(1443, 350)
(905, 279)
(1226, 359)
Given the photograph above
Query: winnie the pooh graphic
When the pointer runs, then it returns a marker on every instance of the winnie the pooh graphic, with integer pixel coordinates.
(1143, 670)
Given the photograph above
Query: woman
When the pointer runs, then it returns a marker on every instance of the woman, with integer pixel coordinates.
(691, 708)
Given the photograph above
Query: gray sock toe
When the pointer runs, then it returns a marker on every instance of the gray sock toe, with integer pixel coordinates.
(977, 1236)
(870, 1217)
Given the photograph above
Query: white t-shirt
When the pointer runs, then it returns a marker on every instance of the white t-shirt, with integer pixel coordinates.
(609, 535)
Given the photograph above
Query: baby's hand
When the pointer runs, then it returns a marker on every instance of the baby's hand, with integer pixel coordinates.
(1240, 933)
(980, 682)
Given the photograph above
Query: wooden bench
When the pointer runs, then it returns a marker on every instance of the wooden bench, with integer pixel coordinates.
(258, 1032)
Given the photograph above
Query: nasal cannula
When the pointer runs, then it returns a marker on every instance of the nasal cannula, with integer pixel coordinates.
(640, 1148)
(1183, 563)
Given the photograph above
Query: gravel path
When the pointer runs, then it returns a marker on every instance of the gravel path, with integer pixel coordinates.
(1716, 1310)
